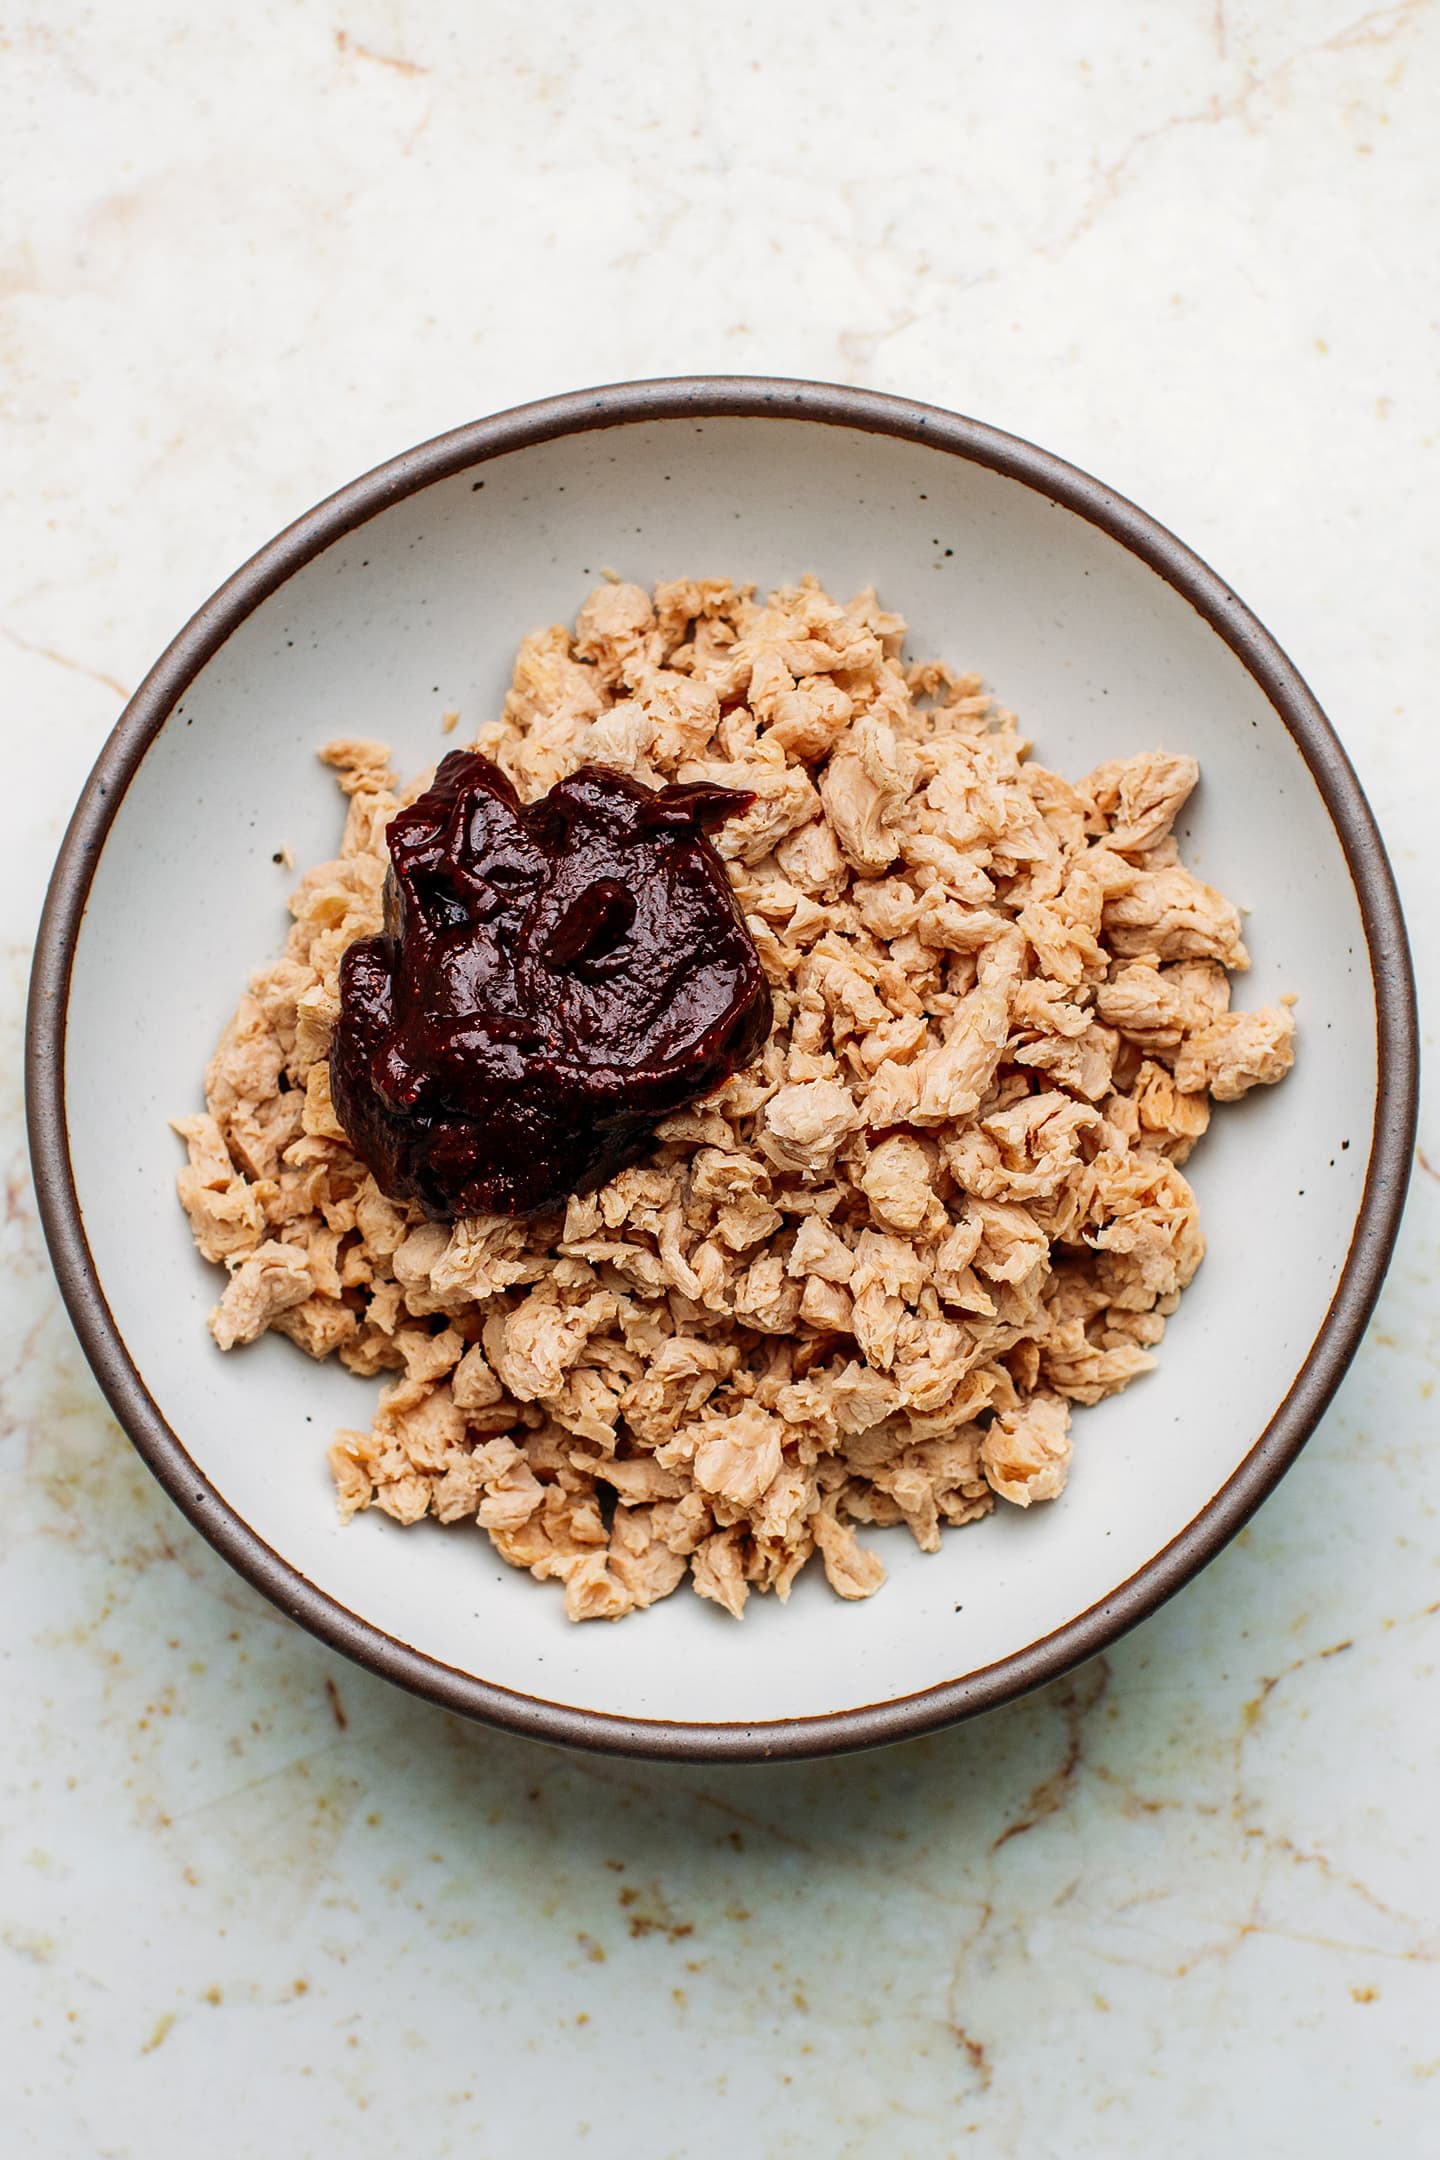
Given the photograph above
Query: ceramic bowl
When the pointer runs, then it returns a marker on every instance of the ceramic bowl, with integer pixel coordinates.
(405, 595)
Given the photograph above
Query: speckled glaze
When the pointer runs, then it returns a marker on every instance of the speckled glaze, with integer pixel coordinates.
(405, 593)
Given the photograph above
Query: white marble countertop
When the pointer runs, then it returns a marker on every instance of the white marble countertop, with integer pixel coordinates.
(256, 1902)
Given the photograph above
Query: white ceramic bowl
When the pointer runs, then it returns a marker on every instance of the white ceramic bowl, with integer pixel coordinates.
(406, 594)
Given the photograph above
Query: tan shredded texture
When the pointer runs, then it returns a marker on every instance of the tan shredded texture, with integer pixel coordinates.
(866, 1280)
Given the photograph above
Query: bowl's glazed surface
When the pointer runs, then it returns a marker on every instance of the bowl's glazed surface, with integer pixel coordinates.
(405, 596)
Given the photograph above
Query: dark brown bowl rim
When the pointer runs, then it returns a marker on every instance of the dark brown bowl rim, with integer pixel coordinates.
(700, 398)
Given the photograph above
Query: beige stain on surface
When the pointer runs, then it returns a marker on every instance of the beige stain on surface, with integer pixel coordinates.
(1237, 102)
(347, 46)
(160, 2033)
(63, 659)
(1076, 1700)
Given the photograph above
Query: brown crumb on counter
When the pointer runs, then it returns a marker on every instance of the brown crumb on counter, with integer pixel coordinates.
(864, 1281)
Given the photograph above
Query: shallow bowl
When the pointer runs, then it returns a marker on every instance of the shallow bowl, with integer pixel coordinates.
(403, 596)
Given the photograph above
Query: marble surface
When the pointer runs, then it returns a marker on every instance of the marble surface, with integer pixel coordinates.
(256, 1902)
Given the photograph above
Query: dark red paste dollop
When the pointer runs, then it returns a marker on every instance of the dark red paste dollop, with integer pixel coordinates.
(553, 980)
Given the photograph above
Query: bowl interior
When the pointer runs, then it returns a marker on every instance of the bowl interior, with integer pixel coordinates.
(419, 610)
